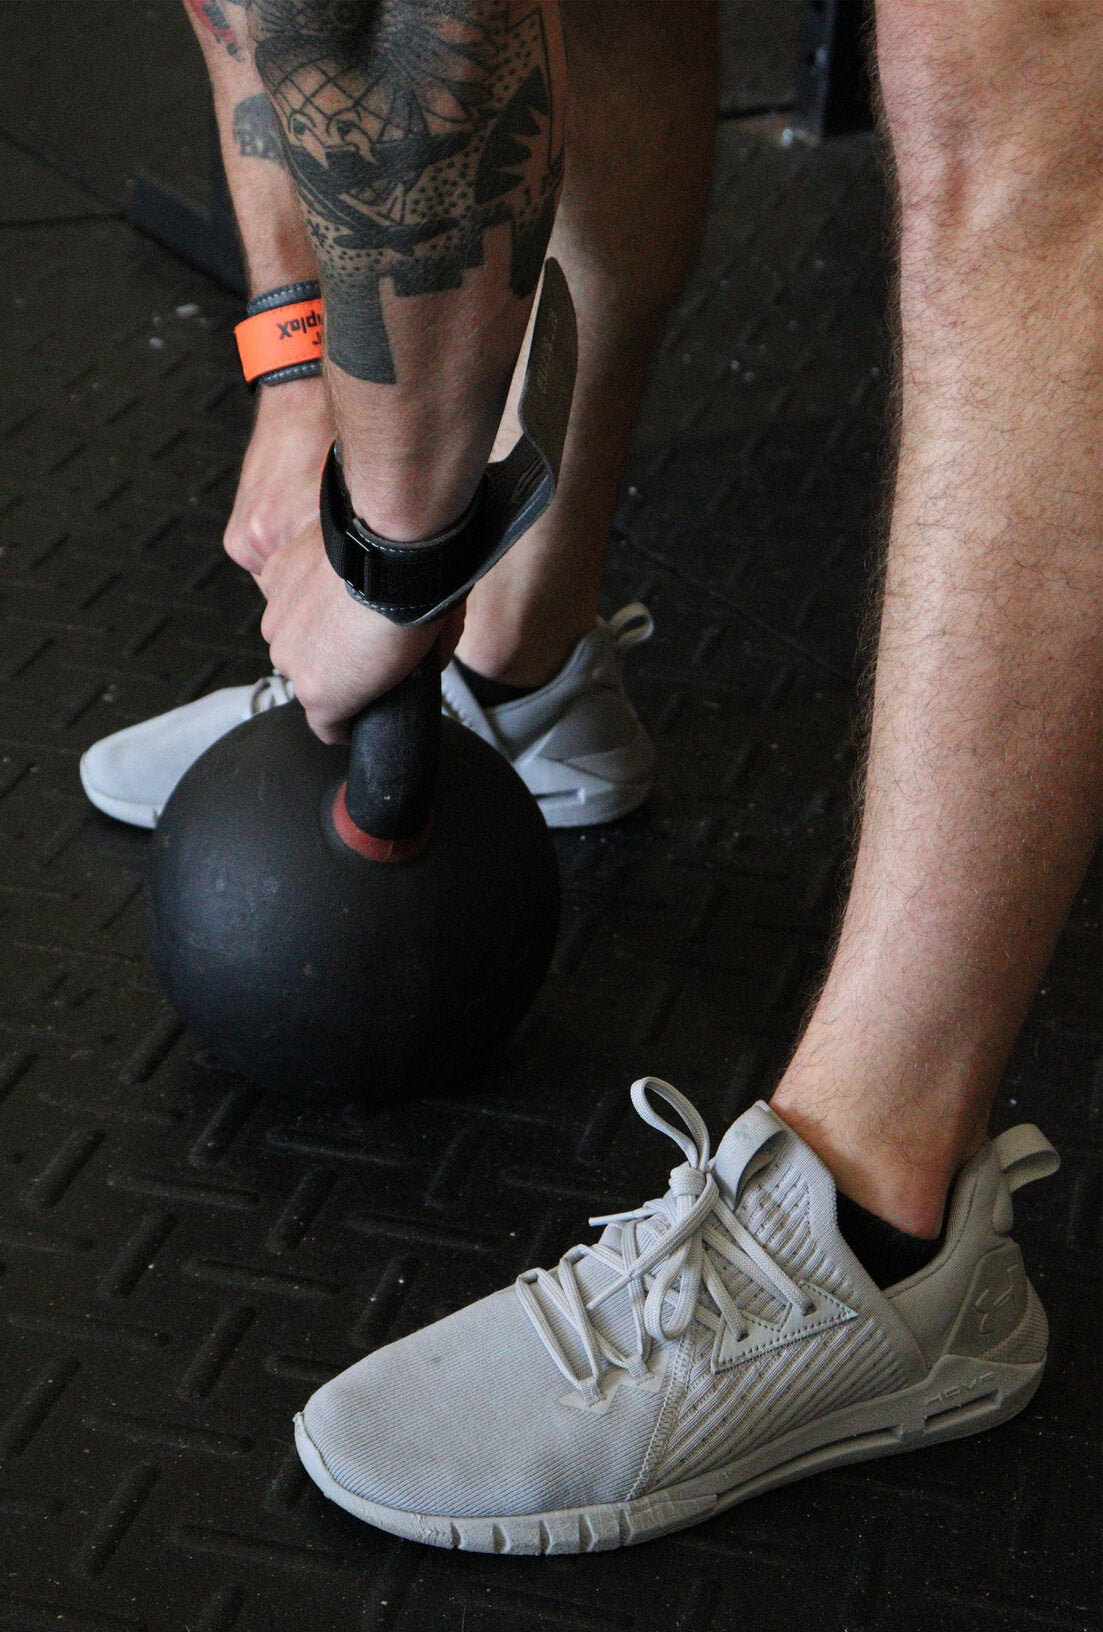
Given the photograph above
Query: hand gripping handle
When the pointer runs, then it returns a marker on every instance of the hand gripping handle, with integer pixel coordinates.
(385, 808)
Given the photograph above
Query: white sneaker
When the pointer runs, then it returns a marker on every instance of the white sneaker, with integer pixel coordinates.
(130, 774)
(576, 742)
(717, 1342)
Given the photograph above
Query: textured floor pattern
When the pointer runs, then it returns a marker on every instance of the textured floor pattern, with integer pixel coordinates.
(182, 1260)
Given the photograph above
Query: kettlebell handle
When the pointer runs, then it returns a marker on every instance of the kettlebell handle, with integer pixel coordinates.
(393, 758)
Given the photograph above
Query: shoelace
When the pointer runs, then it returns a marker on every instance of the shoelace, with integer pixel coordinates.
(270, 693)
(691, 1229)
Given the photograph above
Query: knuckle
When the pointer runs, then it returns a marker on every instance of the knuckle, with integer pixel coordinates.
(249, 542)
(244, 557)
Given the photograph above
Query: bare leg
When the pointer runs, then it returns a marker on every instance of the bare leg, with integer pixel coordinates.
(641, 112)
(277, 494)
(983, 783)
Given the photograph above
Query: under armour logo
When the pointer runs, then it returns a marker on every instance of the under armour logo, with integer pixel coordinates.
(992, 1300)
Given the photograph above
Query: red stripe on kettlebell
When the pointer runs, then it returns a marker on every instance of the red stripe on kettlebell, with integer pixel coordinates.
(366, 844)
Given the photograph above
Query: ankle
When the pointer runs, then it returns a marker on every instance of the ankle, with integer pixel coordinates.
(526, 655)
(490, 693)
(897, 1167)
(887, 1255)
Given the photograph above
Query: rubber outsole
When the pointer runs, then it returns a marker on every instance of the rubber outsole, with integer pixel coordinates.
(958, 1396)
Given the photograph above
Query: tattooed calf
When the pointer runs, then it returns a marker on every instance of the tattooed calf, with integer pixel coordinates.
(411, 128)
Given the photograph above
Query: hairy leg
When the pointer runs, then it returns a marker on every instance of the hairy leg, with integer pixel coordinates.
(983, 782)
(277, 493)
(641, 113)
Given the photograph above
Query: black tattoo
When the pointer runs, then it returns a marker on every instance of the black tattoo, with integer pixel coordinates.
(412, 127)
(256, 130)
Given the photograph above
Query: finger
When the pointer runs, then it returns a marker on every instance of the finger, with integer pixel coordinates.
(243, 556)
(331, 732)
(272, 571)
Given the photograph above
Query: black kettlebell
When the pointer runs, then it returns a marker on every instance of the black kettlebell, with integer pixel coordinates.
(369, 921)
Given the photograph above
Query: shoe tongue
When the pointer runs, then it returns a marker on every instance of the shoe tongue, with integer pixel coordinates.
(752, 1141)
(760, 1167)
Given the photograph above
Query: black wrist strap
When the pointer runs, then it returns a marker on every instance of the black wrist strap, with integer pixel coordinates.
(419, 582)
(400, 580)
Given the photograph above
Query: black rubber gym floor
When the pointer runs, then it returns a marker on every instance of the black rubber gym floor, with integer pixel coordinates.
(182, 1259)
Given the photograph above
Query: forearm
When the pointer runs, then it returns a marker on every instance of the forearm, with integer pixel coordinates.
(275, 242)
(277, 493)
(425, 141)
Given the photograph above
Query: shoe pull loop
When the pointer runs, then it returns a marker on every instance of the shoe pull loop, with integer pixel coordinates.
(631, 626)
(1025, 1155)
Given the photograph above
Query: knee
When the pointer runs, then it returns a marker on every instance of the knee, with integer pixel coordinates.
(995, 112)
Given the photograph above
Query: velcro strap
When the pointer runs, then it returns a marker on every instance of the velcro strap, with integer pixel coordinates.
(283, 337)
(418, 582)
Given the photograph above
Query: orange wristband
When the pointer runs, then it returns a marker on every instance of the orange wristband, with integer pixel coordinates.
(283, 337)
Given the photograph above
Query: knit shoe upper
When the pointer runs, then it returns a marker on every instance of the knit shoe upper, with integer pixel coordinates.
(577, 742)
(130, 774)
(716, 1341)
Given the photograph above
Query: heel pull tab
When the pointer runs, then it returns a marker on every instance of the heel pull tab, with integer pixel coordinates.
(1025, 1154)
